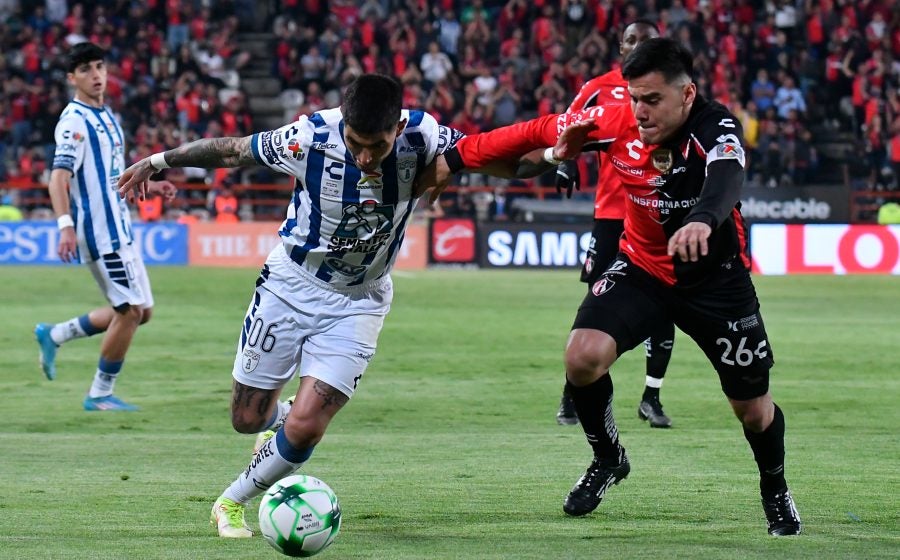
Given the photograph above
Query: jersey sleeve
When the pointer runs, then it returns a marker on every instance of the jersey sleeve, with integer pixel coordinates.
(511, 142)
(720, 136)
(436, 139)
(70, 136)
(282, 149)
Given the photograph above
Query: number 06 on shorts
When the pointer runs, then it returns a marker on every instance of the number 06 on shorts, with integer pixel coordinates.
(293, 323)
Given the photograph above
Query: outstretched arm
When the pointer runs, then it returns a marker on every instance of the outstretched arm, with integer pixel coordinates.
(208, 153)
(512, 151)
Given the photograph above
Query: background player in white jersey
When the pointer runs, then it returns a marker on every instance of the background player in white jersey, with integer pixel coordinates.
(95, 227)
(322, 295)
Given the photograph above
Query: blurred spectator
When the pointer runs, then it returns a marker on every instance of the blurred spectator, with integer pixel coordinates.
(224, 206)
(435, 65)
(150, 208)
(8, 211)
(789, 98)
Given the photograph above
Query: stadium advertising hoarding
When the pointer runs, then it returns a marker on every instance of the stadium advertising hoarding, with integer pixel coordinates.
(825, 249)
(796, 205)
(203, 244)
(535, 245)
(249, 243)
(452, 241)
(34, 243)
(236, 244)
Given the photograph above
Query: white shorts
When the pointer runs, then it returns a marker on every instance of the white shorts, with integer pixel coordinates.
(296, 321)
(122, 278)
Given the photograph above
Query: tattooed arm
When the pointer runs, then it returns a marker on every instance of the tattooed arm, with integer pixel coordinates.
(208, 153)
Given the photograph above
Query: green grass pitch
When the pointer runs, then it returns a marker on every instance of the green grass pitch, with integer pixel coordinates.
(450, 448)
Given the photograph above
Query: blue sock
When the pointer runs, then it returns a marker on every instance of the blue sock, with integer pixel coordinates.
(86, 326)
(289, 452)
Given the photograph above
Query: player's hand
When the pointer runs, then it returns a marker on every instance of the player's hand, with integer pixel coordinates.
(573, 137)
(68, 245)
(165, 188)
(436, 176)
(690, 242)
(135, 179)
(567, 178)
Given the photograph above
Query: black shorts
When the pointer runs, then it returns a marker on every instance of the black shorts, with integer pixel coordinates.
(721, 315)
(603, 248)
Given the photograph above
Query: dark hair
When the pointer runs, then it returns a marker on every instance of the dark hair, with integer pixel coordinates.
(83, 53)
(645, 22)
(372, 104)
(661, 54)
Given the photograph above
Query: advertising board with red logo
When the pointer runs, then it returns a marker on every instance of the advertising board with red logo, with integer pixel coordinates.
(825, 249)
(452, 241)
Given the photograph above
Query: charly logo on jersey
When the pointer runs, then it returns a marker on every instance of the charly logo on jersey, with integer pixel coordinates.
(370, 180)
(406, 168)
(662, 159)
(75, 136)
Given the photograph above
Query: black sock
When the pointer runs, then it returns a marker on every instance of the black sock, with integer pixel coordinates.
(659, 349)
(768, 450)
(593, 403)
(650, 393)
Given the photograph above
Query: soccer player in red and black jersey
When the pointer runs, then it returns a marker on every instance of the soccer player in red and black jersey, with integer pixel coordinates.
(609, 223)
(683, 257)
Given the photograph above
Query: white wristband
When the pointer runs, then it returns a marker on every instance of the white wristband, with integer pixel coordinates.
(158, 161)
(64, 221)
(548, 157)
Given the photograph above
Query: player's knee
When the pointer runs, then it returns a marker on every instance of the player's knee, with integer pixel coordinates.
(585, 365)
(304, 432)
(756, 414)
(130, 313)
(586, 361)
(146, 314)
(246, 421)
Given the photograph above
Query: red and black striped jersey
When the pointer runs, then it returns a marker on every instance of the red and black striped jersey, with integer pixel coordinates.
(695, 176)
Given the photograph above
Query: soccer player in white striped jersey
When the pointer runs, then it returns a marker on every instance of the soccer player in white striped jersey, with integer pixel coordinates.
(322, 295)
(95, 228)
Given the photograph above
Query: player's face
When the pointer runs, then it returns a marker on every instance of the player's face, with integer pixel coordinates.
(634, 35)
(369, 150)
(660, 108)
(89, 80)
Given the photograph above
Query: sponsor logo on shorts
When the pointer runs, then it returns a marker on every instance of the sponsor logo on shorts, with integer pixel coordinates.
(366, 357)
(744, 324)
(602, 286)
(249, 361)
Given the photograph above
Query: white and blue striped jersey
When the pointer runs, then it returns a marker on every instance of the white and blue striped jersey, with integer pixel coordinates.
(91, 145)
(344, 226)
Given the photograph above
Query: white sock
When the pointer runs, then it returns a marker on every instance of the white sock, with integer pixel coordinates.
(66, 331)
(654, 382)
(105, 378)
(268, 466)
(281, 411)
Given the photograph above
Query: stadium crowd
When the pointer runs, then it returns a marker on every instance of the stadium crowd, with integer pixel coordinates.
(805, 76)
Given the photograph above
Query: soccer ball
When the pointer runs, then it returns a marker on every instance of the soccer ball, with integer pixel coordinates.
(299, 516)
